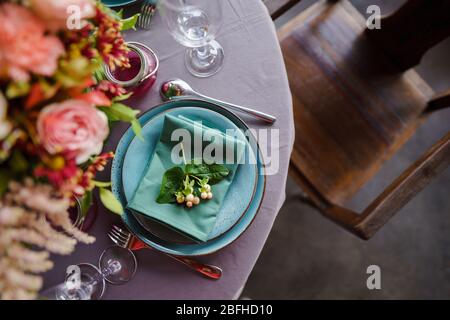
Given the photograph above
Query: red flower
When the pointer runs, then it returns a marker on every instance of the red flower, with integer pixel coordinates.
(110, 43)
(58, 169)
(111, 89)
(96, 98)
(98, 164)
(79, 35)
(63, 173)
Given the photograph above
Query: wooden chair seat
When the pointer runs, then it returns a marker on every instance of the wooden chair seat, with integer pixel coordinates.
(352, 107)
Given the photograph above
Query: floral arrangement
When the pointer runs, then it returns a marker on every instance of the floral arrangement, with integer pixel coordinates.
(55, 113)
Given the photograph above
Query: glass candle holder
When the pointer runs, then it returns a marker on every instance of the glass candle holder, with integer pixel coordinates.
(84, 222)
(141, 75)
(76, 214)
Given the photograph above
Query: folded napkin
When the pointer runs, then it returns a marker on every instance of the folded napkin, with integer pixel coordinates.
(198, 221)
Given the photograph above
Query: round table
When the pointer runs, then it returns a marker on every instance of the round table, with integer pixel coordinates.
(253, 75)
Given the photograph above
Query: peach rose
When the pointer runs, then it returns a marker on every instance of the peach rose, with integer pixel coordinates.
(73, 125)
(24, 47)
(55, 12)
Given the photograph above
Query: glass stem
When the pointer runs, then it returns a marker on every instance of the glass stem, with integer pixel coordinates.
(112, 268)
(203, 53)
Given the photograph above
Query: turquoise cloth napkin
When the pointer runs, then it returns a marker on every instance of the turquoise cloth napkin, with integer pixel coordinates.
(198, 221)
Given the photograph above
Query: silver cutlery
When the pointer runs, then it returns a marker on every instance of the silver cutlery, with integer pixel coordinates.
(125, 239)
(148, 10)
(178, 89)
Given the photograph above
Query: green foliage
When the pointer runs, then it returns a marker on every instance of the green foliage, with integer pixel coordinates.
(86, 203)
(73, 70)
(17, 89)
(101, 184)
(18, 163)
(171, 182)
(5, 177)
(110, 201)
(137, 129)
(130, 23)
(213, 172)
(123, 97)
(188, 186)
(120, 112)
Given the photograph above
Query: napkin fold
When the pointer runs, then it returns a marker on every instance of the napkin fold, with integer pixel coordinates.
(198, 221)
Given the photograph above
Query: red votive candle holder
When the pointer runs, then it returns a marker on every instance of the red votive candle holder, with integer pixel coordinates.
(141, 75)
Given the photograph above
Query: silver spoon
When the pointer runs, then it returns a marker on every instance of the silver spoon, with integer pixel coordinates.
(177, 88)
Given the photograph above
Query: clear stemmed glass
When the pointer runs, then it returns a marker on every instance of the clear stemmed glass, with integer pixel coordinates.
(85, 281)
(195, 24)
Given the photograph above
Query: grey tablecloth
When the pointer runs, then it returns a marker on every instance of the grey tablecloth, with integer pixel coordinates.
(253, 75)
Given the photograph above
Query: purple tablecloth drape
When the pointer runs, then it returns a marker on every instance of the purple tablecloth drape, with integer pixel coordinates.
(253, 75)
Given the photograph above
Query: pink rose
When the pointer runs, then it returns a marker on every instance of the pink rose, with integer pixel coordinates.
(24, 47)
(75, 126)
(56, 14)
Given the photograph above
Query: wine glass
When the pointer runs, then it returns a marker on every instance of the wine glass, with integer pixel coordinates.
(85, 281)
(195, 24)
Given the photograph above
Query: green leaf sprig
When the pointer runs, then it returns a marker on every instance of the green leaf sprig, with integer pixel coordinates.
(186, 185)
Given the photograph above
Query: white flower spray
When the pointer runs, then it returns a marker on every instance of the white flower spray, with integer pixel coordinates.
(34, 222)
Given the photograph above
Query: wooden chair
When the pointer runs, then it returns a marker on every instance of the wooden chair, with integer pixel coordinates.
(278, 7)
(357, 101)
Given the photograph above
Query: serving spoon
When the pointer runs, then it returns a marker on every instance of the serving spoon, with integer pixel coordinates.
(177, 89)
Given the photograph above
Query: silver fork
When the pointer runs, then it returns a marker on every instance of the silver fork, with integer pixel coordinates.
(125, 239)
(148, 10)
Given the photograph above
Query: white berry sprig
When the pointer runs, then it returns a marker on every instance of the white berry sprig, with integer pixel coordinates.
(191, 184)
(189, 196)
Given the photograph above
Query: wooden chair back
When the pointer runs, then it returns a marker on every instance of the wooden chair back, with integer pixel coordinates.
(357, 100)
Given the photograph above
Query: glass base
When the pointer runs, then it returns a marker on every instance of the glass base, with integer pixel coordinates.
(205, 61)
(89, 273)
(92, 285)
(122, 259)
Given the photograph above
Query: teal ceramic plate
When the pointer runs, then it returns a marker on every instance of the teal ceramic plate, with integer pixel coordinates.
(193, 249)
(116, 3)
(238, 197)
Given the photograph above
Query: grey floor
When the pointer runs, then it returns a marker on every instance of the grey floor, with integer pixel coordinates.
(308, 257)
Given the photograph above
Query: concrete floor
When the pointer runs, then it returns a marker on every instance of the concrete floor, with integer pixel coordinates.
(308, 257)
